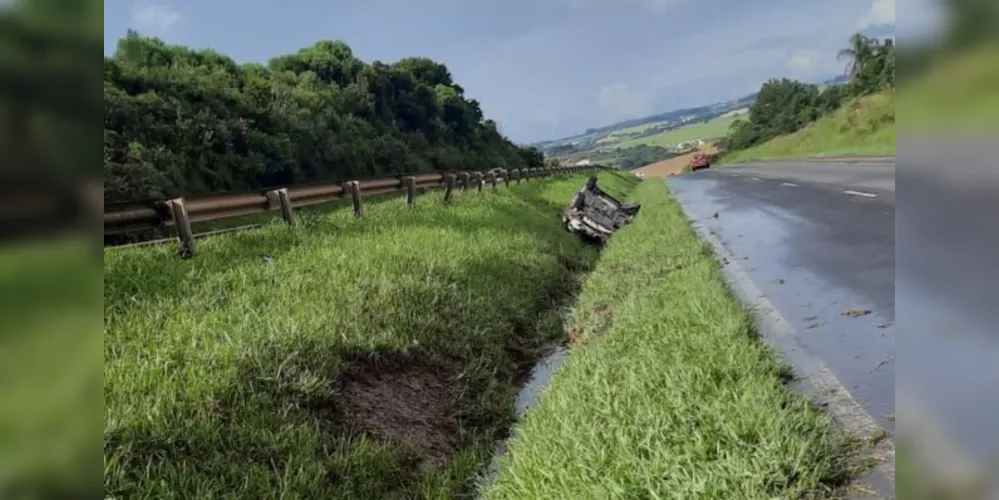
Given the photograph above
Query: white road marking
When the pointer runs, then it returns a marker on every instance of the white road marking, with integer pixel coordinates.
(861, 193)
(756, 178)
(791, 184)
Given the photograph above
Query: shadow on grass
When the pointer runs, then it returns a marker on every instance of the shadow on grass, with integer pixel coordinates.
(372, 421)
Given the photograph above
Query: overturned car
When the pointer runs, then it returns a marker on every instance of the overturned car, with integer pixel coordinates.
(594, 215)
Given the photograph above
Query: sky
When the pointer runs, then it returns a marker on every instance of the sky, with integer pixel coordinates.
(542, 69)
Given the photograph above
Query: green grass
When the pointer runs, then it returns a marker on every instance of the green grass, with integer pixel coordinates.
(717, 127)
(669, 394)
(258, 368)
(864, 127)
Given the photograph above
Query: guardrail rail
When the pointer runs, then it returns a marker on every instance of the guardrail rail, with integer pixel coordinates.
(181, 212)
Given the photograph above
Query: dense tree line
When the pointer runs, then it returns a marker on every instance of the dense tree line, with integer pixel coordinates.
(784, 106)
(179, 121)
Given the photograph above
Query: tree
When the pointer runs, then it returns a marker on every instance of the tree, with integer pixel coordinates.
(179, 121)
(871, 64)
(859, 52)
(784, 106)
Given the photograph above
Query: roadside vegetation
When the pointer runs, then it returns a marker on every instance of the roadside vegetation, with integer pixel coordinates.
(863, 126)
(179, 121)
(665, 392)
(343, 358)
(838, 119)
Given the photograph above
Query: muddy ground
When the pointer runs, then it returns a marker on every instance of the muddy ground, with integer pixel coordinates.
(671, 166)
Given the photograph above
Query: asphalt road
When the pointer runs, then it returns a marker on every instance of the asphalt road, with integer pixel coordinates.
(816, 242)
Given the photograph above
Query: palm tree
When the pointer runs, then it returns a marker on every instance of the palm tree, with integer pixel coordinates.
(860, 52)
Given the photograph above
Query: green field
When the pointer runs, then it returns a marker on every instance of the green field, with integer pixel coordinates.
(667, 393)
(864, 126)
(341, 359)
(717, 127)
(631, 130)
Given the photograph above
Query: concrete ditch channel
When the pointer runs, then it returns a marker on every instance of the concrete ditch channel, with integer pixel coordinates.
(540, 375)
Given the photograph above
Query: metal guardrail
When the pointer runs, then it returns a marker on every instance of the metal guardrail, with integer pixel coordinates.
(179, 213)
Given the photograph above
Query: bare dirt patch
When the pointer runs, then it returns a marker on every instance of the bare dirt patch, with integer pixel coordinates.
(670, 166)
(405, 400)
(591, 324)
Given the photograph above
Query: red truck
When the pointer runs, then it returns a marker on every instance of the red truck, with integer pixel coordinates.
(699, 161)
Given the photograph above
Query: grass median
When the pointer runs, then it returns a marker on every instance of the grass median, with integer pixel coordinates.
(340, 359)
(666, 392)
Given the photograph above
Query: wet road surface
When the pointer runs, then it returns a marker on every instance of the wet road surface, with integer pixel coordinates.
(818, 241)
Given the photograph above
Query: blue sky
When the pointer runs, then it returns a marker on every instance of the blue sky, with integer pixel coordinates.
(541, 68)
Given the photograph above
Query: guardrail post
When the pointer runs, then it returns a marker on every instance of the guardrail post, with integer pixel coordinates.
(492, 179)
(506, 176)
(410, 184)
(520, 174)
(449, 180)
(278, 198)
(478, 181)
(355, 197)
(463, 177)
(182, 223)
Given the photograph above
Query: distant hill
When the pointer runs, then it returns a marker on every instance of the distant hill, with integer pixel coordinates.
(677, 114)
(590, 136)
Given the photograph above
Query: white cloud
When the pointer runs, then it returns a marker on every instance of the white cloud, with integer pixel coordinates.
(620, 101)
(154, 18)
(880, 12)
(802, 59)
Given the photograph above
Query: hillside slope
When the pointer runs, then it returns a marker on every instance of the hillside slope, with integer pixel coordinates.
(864, 126)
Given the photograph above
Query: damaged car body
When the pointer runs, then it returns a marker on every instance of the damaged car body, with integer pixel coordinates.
(595, 215)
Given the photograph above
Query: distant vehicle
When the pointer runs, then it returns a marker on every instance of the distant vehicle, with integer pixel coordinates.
(700, 161)
(595, 215)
